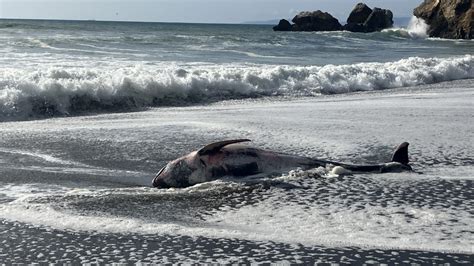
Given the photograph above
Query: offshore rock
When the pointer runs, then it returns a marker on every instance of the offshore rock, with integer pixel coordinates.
(359, 14)
(378, 20)
(315, 21)
(364, 19)
(452, 19)
(361, 19)
(355, 27)
(283, 25)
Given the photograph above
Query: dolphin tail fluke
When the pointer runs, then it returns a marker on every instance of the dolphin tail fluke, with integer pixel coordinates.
(401, 154)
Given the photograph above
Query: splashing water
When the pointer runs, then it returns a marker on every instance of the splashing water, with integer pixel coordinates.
(417, 28)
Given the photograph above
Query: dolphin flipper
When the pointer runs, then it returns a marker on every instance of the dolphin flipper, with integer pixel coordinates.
(216, 146)
(401, 154)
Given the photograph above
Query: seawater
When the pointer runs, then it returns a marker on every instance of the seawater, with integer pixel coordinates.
(57, 68)
(76, 163)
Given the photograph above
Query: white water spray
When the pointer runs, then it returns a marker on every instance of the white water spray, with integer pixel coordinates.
(417, 28)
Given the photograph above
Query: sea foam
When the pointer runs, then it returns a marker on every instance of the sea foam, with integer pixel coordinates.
(417, 28)
(29, 93)
(397, 226)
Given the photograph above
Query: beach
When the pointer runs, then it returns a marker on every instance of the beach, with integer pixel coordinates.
(90, 111)
(417, 217)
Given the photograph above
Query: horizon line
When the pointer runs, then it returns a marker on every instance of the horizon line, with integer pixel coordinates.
(140, 21)
(256, 22)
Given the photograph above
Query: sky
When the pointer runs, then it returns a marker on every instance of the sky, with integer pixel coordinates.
(199, 11)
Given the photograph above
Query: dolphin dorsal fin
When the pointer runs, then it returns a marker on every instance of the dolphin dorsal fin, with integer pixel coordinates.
(216, 146)
(401, 154)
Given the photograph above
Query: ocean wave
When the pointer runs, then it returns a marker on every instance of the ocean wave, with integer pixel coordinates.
(53, 91)
(417, 28)
(25, 25)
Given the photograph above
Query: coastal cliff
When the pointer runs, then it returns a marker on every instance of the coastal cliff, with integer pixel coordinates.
(452, 19)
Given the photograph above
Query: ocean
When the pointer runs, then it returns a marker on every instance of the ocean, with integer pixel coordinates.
(90, 111)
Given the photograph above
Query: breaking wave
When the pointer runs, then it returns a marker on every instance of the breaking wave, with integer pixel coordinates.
(30, 93)
(416, 29)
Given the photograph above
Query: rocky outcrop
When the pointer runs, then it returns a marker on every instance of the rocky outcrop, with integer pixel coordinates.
(378, 20)
(361, 19)
(359, 14)
(315, 21)
(283, 25)
(453, 19)
(364, 19)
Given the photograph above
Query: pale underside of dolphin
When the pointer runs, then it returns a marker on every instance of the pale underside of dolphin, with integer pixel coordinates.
(230, 158)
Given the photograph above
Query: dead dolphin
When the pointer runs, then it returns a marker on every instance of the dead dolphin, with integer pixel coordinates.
(230, 158)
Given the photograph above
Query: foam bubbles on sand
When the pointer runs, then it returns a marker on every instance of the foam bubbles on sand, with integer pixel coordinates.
(52, 246)
(365, 211)
(299, 214)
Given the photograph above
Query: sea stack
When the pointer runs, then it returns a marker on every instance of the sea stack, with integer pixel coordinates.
(361, 19)
(283, 25)
(315, 21)
(365, 19)
(451, 19)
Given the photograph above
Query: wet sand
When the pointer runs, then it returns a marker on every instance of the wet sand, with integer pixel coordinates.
(77, 189)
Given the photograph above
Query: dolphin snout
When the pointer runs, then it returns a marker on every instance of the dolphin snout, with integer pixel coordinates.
(159, 183)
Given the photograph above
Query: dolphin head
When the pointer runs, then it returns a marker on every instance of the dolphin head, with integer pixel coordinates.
(182, 172)
(190, 169)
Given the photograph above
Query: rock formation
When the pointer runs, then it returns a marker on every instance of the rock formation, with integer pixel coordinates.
(315, 21)
(359, 14)
(378, 20)
(453, 19)
(364, 19)
(283, 25)
(361, 19)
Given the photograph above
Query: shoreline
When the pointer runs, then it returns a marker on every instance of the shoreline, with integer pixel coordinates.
(107, 104)
(351, 128)
(358, 95)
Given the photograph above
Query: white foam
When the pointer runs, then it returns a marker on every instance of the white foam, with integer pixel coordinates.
(250, 54)
(45, 157)
(27, 92)
(339, 170)
(374, 226)
(451, 173)
(417, 28)
(355, 124)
